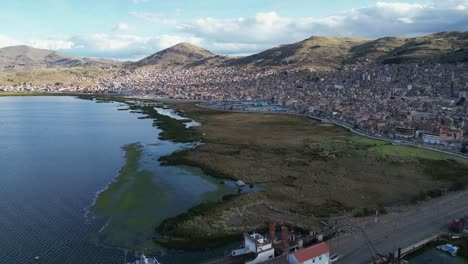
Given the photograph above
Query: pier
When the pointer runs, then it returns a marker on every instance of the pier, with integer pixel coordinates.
(408, 250)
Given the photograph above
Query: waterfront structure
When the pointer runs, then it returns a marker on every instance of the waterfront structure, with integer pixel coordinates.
(288, 250)
(257, 244)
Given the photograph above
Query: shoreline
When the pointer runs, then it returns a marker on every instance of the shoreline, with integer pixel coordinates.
(175, 131)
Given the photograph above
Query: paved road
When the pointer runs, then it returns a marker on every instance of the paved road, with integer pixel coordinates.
(417, 145)
(400, 229)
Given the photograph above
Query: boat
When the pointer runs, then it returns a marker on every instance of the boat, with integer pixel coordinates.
(452, 250)
(145, 260)
(240, 183)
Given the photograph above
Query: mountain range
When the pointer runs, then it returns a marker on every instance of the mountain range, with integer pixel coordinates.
(24, 57)
(316, 51)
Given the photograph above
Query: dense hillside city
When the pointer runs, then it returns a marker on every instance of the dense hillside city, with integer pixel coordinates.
(423, 102)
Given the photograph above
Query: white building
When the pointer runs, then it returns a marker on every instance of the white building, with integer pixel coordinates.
(431, 139)
(317, 254)
(256, 243)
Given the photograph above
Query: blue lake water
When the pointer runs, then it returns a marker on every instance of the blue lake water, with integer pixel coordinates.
(171, 113)
(56, 153)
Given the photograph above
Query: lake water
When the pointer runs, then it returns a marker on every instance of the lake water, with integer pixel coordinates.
(171, 113)
(56, 153)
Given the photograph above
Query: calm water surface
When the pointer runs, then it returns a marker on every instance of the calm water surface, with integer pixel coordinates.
(171, 113)
(56, 153)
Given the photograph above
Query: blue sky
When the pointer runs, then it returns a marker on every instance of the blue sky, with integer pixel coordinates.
(132, 29)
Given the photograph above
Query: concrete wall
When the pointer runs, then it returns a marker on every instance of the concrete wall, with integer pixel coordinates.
(262, 257)
(241, 251)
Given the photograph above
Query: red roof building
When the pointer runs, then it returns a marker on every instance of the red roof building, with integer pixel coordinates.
(317, 254)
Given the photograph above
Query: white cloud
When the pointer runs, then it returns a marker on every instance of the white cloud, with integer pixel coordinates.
(123, 27)
(116, 46)
(6, 41)
(264, 27)
(234, 49)
(374, 21)
(247, 35)
(405, 20)
(57, 43)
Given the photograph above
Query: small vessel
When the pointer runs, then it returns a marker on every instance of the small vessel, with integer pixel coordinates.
(145, 260)
(452, 250)
(240, 183)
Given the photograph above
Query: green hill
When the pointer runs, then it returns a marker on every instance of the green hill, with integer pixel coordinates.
(330, 52)
(324, 52)
(441, 47)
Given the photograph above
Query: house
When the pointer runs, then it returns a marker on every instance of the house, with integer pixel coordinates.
(317, 254)
(449, 134)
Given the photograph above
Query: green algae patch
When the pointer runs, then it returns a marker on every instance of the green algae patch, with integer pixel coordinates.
(126, 207)
(138, 200)
(171, 129)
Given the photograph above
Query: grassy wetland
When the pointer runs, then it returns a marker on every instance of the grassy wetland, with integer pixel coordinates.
(305, 169)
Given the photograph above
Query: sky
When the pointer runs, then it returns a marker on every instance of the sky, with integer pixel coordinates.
(133, 29)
